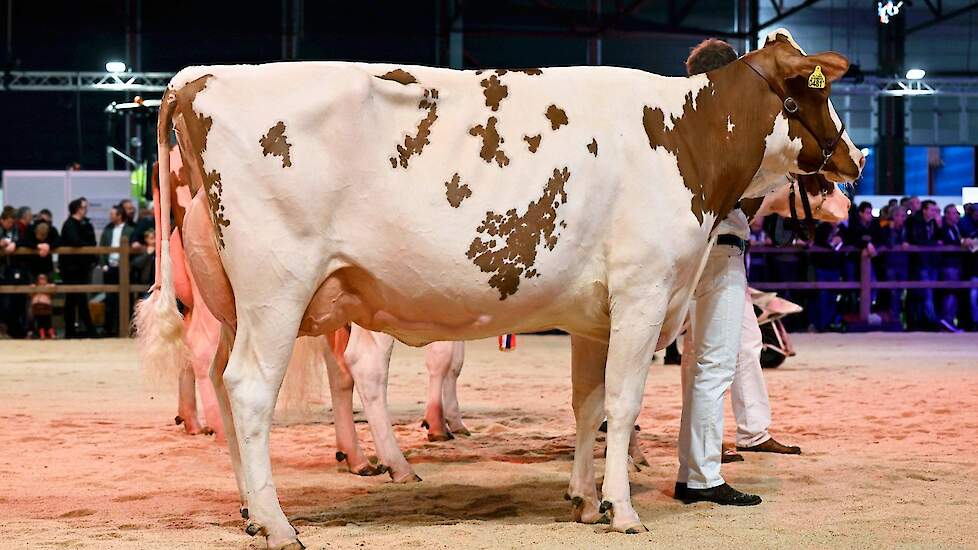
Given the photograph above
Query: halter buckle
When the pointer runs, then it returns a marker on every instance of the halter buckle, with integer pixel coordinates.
(790, 105)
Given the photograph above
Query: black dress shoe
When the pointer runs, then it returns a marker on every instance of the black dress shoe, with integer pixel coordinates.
(721, 494)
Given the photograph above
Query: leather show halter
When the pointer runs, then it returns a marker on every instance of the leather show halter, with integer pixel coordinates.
(793, 110)
(806, 206)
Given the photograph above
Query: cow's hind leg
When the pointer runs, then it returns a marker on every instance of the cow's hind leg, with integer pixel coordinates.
(259, 358)
(221, 394)
(438, 360)
(368, 357)
(587, 377)
(347, 444)
(635, 325)
(453, 415)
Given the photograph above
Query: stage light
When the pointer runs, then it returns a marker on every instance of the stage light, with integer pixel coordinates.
(865, 151)
(115, 67)
(915, 74)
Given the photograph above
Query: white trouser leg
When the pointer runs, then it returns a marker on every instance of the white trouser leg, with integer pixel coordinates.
(748, 394)
(715, 329)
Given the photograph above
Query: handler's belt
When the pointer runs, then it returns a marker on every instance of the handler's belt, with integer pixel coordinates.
(732, 240)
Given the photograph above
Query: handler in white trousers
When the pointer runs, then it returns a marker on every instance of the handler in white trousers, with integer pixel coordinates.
(710, 352)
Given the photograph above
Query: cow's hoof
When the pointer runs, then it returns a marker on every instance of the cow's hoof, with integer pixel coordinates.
(244, 512)
(447, 436)
(632, 529)
(424, 424)
(340, 456)
(370, 470)
(585, 512)
(178, 420)
(253, 529)
(605, 506)
(297, 545)
(409, 477)
(207, 430)
(461, 431)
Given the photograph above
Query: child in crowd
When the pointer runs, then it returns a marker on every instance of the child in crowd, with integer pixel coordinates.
(41, 309)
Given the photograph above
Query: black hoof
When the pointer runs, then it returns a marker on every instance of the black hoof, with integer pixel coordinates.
(605, 506)
(567, 496)
(178, 420)
(340, 456)
(577, 502)
(244, 513)
(417, 478)
(633, 531)
(464, 432)
(252, 529)
(424, 424)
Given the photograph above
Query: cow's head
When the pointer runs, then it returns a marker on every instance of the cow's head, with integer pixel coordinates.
(802, 83)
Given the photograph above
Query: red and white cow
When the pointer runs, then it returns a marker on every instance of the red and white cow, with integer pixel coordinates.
(434, 204)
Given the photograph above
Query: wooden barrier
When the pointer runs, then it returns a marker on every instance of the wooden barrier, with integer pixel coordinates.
(866, 284)
(124, 289)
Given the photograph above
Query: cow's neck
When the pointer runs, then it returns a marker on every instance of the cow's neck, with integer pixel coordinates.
(720, 144)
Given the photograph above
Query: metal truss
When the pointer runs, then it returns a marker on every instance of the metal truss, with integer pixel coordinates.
(70, 81)
(876, 86)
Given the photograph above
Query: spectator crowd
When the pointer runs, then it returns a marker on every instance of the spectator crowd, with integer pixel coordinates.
(891, 240)
(31, 314)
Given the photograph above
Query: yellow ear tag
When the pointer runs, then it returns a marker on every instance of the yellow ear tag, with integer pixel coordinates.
(817, 80)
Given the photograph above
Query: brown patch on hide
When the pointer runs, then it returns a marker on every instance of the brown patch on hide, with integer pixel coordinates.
(212, 183)
(413, 145)
(556, 116)
(275, 143)
(593, 147)
(398, 75)
(491, 140)
(455, 193)
(507, 243)
(751, 206)
(527, 72)
(193, 130)
(533, 142)
(495, 91)
(717, 170)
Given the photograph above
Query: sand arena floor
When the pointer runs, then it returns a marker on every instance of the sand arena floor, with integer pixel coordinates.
(888, 423)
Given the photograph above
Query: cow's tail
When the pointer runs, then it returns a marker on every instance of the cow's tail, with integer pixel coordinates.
(159, 324)
(304, 384)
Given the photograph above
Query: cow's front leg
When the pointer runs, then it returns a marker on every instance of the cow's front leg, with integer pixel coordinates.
(187, 402)
(257, 365)
(347, 444)
(453, 413)
(635, 329)
(368, 357)
(202, 352)
(587, 377)
(438, 360)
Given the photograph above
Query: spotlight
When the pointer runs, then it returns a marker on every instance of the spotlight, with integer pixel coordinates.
(115, 67)
(865, 151)
(915, 74)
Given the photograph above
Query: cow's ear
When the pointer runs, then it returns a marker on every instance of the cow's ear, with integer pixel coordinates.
(781, 34)
(820, 68)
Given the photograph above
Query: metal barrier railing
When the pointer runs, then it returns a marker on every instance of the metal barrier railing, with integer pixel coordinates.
(124, 288)
(866, 284)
